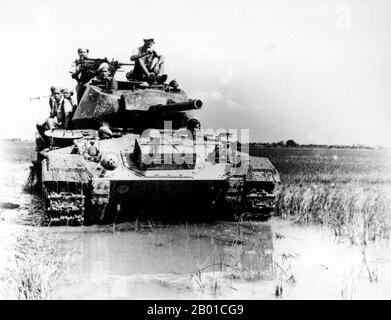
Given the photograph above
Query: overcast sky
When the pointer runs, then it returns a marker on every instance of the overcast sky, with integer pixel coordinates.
(315, 71)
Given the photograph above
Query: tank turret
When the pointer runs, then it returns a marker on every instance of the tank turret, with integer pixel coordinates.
(133, 106)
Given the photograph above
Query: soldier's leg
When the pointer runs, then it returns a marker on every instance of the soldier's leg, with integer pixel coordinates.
(80, 88)
(40, 143)
(41, 127)
(140, 71)
(41, 140)
(52, 123)
(158, 69)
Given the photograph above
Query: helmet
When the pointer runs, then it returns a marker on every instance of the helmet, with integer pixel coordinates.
(104, 66)
(105, 132)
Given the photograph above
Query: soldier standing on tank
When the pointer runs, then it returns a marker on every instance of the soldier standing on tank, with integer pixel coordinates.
(149, 65)
(60, 115)
(79, 74)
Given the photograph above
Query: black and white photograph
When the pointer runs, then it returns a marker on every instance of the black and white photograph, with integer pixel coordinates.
(204, 151)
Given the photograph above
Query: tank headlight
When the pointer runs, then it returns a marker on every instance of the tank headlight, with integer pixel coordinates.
(110, 161)
(92, 150)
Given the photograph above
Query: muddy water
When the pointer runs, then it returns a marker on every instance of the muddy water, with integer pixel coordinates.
(327, 268)
(162, 262)
(196, 261)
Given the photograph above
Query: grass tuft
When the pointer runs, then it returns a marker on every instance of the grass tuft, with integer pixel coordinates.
(37, 265)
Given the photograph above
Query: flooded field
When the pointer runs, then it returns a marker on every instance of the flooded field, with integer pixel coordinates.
(279, 259)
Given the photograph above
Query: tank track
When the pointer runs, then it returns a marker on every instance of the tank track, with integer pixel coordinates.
(259, 204)
(64, 208)
(248, 203)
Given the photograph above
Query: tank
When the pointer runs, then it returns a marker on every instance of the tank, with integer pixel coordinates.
(136, 151)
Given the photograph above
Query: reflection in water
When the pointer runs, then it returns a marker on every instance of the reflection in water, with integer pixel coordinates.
(170, 258)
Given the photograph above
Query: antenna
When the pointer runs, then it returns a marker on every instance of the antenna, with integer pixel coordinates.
(38, 98)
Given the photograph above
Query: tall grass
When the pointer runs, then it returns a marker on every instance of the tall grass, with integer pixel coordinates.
(17, 151)
(347, 190)
(359, 213)
(37, 264)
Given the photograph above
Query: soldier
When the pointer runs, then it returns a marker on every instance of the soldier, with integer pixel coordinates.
(103, 75)
(194, 126)
(60, 115)
(103, 79)
(68, 94)
(149, 65)
(78, 74)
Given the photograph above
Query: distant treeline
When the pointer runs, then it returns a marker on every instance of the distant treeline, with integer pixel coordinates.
(280, 144)
(294, 144)
(11, 139)
(16, 140)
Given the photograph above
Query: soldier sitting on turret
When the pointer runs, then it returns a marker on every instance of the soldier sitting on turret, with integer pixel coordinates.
(149, 65)
(60, 114)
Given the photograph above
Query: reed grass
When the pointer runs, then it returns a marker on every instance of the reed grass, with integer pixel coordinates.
(37, 264)
(346, 190)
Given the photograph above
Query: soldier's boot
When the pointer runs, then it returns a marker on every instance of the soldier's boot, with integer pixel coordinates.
(129, 75)
(161, 78)
(40, 142)
(151, 78)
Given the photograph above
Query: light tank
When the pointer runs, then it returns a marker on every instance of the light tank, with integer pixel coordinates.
(135, 151)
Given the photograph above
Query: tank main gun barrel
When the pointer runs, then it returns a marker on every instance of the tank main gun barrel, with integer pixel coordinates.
(177, 107)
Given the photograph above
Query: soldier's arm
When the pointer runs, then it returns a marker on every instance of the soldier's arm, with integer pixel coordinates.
(136, 55)
(75, 70)
(157, 60)
(159, 56)
(51, 114)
